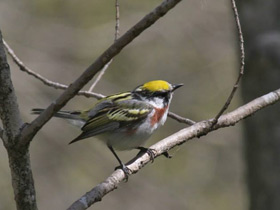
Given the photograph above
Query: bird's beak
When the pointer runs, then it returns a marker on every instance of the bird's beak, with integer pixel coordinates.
(174, 87)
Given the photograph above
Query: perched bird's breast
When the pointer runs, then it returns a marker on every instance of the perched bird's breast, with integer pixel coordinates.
(159, 116)
(134, 136)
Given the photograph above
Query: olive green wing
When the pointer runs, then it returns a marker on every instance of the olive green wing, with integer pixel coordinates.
(113, 113)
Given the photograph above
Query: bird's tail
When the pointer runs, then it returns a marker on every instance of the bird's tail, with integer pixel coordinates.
(70, 115)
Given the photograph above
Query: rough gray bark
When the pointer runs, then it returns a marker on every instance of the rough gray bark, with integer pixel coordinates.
(19, 160)
(22, 179)
(260, 21)
(9, 111)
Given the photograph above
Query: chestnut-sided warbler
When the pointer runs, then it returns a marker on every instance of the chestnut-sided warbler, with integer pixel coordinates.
(125, 120)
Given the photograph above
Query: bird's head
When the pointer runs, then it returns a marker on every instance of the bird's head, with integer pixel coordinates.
(158, 91)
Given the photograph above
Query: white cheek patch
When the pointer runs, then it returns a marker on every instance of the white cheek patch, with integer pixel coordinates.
(157, 102)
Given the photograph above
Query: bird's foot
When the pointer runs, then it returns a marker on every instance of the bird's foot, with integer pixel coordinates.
(125, 170)
(151, 152)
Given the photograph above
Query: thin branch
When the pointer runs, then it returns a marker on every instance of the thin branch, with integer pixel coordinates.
(117, 26)
(180, 119)
(44, 80)
(242, 63)
(100, 75)
(178, 138)
(30, 130)
(117, 33)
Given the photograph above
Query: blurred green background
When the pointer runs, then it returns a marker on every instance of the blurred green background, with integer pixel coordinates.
(194, 44)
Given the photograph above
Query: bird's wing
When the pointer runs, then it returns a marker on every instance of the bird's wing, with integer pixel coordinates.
(112, 113)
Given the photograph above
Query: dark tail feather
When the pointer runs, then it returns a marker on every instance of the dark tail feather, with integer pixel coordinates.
(78, 138)
(96, 131)
(37, 111)
(73, 141)
(61, 114)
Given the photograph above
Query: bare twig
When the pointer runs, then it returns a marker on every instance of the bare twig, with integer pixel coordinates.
(180, 119)
(117, 26)
(100, 75)
(182, 136)
(117, 32)
(242, 63)
(44, 80)
(30, 130)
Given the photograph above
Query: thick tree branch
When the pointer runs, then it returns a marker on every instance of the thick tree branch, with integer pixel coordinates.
(30, 130)
(22, 178)
(178, 138)
(19, 160)
(9, 111)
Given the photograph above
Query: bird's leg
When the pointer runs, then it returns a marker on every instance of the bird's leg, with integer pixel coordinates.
(122, 166)
(151, 153)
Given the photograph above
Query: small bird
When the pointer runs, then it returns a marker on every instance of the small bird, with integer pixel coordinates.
(124, 121)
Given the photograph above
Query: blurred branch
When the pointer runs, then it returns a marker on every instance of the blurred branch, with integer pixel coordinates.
(117, 26)
(117, 32)
(100, 75)
(180, 119)
(178, 138)
(242, 63)
(30, 130)
(45, 81)
(19, 160)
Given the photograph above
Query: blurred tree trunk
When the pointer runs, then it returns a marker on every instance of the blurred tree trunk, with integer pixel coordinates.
(260, 20)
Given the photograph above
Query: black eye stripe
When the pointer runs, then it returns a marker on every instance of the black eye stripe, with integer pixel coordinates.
(140, 94)
(160, 94)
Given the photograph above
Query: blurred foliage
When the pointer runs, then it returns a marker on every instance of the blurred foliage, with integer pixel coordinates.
(193, 44)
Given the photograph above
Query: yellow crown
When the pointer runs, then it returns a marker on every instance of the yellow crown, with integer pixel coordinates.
(156, 85)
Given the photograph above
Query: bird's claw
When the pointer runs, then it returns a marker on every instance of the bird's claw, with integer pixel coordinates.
(125, 170)
(151, 152)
